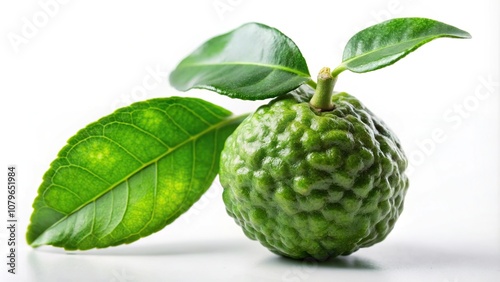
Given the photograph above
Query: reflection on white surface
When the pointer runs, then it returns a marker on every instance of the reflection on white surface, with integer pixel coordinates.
(244, 260)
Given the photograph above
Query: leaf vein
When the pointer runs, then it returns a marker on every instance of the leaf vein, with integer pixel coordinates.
(191, 138)
(65, 188)
(201, 105)
(417, 39)
(124, 149)
(145, 132)
(278, 67)
(80, 167)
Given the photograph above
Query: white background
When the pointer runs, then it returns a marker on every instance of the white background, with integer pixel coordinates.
(90, 57)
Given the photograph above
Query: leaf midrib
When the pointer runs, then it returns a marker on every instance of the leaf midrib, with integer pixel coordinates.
(144, 165)
(283, 68)
(399, 43)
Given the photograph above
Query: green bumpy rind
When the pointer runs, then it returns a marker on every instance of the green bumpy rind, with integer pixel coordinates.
(308, 184)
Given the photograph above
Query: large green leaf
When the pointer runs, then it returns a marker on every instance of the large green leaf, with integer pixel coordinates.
(383, 44)
(252, 62)
(130, 173)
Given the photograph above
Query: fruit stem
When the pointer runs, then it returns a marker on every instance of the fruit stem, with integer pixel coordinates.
(322, 98)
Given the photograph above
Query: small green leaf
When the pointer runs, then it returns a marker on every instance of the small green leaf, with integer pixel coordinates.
(130, 173)
(252, 62)
(384, 44)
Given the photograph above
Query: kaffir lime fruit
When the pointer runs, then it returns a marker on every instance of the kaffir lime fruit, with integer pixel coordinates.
(314, 184)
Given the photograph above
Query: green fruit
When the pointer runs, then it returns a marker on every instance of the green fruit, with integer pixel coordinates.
(313, 184)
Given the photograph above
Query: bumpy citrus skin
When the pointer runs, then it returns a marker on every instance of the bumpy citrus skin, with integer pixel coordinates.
(308, 184)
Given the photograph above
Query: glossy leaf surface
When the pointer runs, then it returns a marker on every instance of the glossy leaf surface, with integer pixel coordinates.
(130, 173)
(383, 44)
(252, 62)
